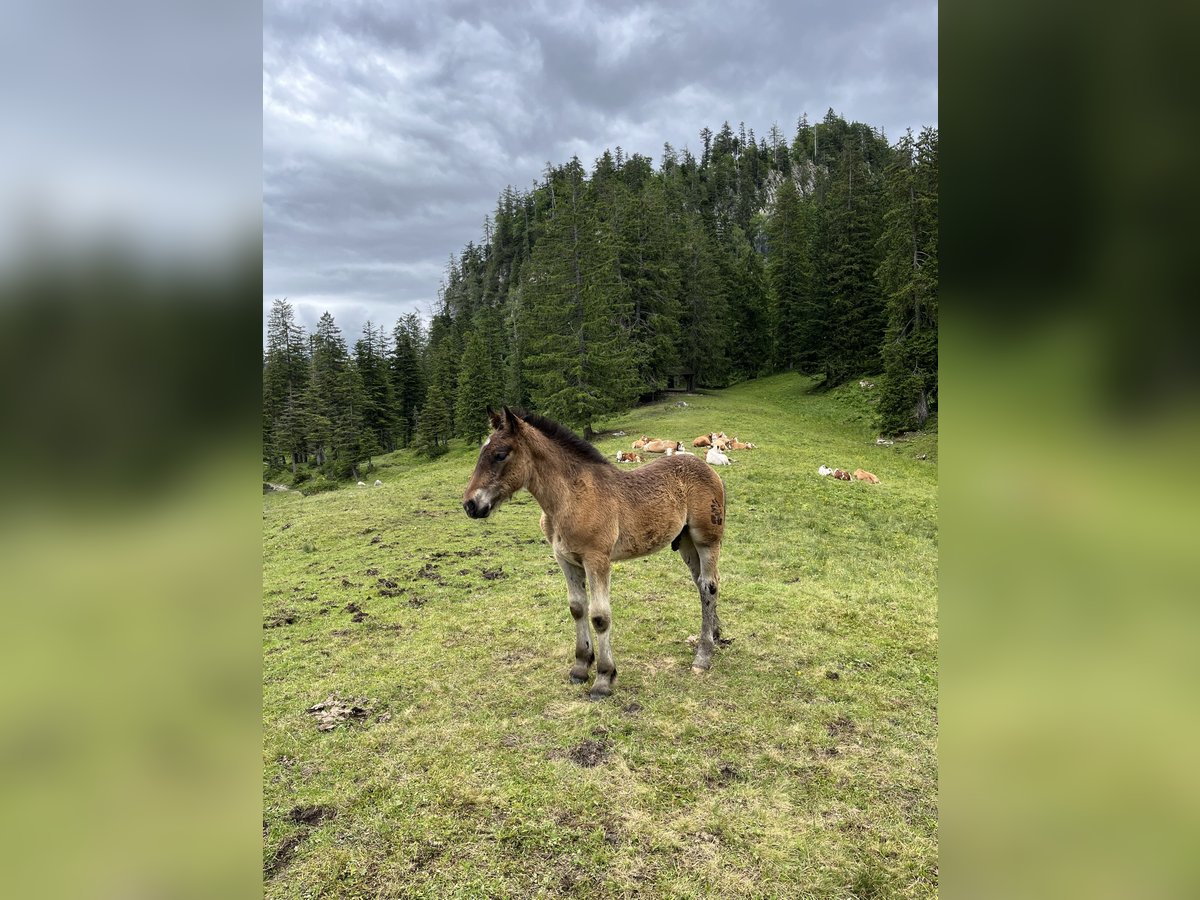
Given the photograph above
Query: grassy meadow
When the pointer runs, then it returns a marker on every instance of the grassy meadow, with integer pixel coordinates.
(802, 765)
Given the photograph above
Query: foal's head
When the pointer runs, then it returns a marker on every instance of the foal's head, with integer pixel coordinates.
(503, 466)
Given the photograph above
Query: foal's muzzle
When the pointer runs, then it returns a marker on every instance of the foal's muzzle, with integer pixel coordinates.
(475, 511)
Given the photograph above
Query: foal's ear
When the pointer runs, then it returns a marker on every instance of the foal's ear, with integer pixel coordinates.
(495, 418)
(512, 422)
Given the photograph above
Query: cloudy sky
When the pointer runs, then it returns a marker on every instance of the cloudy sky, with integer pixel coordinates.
(390, 128)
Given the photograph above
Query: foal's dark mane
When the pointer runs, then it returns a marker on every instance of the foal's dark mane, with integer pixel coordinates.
(565, 438)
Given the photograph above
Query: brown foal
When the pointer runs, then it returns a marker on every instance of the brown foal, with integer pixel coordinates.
(594, 513)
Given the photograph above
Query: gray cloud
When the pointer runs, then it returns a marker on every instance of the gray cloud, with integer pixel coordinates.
(390, 130)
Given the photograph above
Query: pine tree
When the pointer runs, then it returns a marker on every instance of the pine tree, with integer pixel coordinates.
(853, 327)
(653, 280)
(795, 310)
(379, 414)
(908, 276)
(753, 346)
(285, 376)
(406, 372)
(578, 362)
(704, 330)
(433, 432)
(479, 378)
(334, 402)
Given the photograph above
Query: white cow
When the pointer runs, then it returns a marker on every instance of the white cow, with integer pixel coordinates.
(715, 457)
(378, 483)
(362, 484)
(824, 470)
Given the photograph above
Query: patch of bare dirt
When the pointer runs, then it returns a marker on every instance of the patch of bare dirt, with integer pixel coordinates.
(631, 708)
(424, 855)
(832, 676)
(283, 854)
(726, 772)
(493, 574)
(334, 710)
(279, 619)
(356, 612)
(310, 815)
(463, 554)
(368, 529)
(388, 588)
(430, 572)
(417, 602)
(840, 727)
(377, 540)
(589, 753)
(346, 582)
(371, 572)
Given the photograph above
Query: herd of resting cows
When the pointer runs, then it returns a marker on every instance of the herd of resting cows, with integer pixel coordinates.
(717, 444)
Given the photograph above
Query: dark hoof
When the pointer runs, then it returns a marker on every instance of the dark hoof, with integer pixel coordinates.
(578, 679)
(599, 695)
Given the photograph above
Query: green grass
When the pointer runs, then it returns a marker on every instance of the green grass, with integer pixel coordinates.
(802, 765)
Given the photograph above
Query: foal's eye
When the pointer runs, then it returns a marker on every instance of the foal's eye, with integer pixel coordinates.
(500, 455)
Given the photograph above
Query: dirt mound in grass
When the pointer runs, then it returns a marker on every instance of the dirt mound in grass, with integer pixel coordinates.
(334, 710)
(589, 753)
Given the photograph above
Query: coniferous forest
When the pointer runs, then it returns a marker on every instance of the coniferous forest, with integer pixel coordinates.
(594, 289)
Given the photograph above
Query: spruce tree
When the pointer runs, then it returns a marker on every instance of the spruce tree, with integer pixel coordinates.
(433, 431)
(789, 268)
(704, 327)
(653, 279)
(853, 305)
(908, 276)
(406, 372)
(578, 361)
(334, 402)
(379, 415)
(285, 377)
(479, 378)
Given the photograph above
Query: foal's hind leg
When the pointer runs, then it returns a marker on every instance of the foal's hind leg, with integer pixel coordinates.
(577, 595)
(702, 561)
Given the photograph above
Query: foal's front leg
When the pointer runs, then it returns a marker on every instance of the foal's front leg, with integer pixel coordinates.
(598, 579)
(577, 596)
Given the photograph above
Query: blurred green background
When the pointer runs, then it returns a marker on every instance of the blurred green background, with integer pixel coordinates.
(1069, 587)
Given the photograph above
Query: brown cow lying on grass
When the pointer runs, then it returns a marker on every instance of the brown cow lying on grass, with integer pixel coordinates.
(622, 456)
(657, 446)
